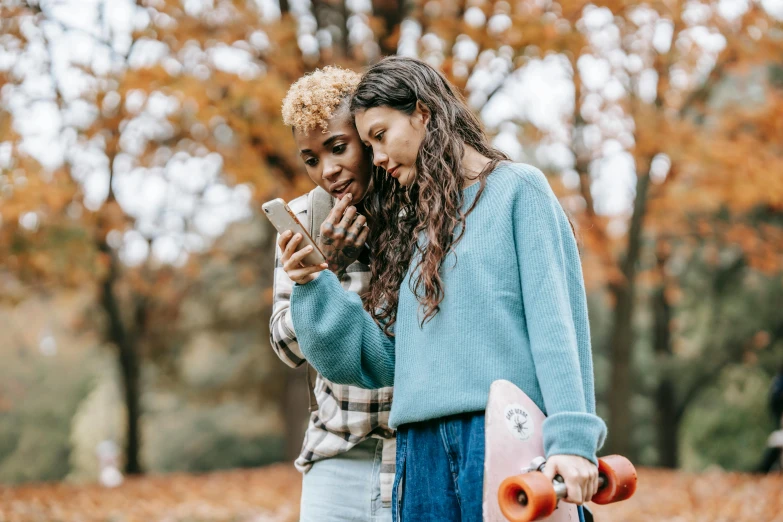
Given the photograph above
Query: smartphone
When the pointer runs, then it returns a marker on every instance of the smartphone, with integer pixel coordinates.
(283, 219)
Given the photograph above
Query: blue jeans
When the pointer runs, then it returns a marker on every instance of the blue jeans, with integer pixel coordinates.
(440, 470)
(346, 487)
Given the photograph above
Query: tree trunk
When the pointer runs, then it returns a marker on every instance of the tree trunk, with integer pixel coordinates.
(621, 343)
(392, 12)
(668, 425)
(620, 380)
(667, 419)
(129, 363)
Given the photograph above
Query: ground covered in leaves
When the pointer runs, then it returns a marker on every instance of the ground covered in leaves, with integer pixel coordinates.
(271, 495)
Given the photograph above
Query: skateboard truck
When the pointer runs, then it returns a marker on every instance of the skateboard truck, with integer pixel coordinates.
(537, 464)
(532, 496)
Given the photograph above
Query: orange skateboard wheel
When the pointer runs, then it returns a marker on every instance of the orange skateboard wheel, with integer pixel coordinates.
(619, 479)
(528, 497)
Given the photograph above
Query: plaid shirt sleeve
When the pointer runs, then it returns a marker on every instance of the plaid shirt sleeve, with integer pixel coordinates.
(281, 328)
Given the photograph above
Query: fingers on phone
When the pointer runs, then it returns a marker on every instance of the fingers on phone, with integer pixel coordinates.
(293, 243)
(299, 255)
(305, 275)
(296, 262)
(288, 251)
(309, 270)
(283, 239)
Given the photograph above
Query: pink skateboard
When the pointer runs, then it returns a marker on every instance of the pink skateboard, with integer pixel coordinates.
(512, 431)
(514, 487)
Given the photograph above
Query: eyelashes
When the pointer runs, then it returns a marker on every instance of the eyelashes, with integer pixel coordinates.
(337, 150)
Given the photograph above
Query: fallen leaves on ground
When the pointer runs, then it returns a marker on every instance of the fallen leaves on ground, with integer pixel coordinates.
(268, 494)
(667, 496)
(271, 494)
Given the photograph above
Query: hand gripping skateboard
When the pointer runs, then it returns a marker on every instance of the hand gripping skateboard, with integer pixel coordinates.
(514, 487)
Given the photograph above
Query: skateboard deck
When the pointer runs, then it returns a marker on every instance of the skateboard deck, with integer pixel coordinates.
(513, 438)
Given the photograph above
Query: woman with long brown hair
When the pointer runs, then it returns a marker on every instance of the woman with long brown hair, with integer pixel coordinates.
(475, 277)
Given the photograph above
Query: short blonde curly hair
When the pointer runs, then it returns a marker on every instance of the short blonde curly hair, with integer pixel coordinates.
(313, 99)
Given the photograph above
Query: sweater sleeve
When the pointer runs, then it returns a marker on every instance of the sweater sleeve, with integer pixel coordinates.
(554, 302)
(338, 337)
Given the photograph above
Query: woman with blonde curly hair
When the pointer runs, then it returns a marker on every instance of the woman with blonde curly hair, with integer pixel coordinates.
(348, 452)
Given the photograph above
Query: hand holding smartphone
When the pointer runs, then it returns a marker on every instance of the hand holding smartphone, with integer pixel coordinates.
(283, 219)
(343, 236)
(301, 258)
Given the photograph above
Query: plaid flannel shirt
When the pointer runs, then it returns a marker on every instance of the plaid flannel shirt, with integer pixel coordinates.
(346, 415)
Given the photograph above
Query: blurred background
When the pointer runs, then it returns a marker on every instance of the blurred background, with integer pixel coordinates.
(139, 138)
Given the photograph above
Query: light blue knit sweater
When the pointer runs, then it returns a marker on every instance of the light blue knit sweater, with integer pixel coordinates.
(514, 309)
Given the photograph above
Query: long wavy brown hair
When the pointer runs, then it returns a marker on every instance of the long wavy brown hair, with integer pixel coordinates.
(425, 221)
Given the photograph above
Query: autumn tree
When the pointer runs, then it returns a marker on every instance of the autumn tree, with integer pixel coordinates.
(690, 180)
(175, 104)
(623, 102)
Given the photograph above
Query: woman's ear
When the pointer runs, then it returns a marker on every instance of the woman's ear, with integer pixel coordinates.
(422, 112)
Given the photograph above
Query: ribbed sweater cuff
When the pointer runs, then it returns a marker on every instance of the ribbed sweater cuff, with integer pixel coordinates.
(321, 279)
(571, 433)
(307, 300)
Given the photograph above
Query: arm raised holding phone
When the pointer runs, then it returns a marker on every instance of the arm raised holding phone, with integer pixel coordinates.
(336, 335)
(343, 235)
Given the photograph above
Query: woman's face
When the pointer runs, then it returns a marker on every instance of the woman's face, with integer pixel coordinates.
(336, 160)
(395, 138)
